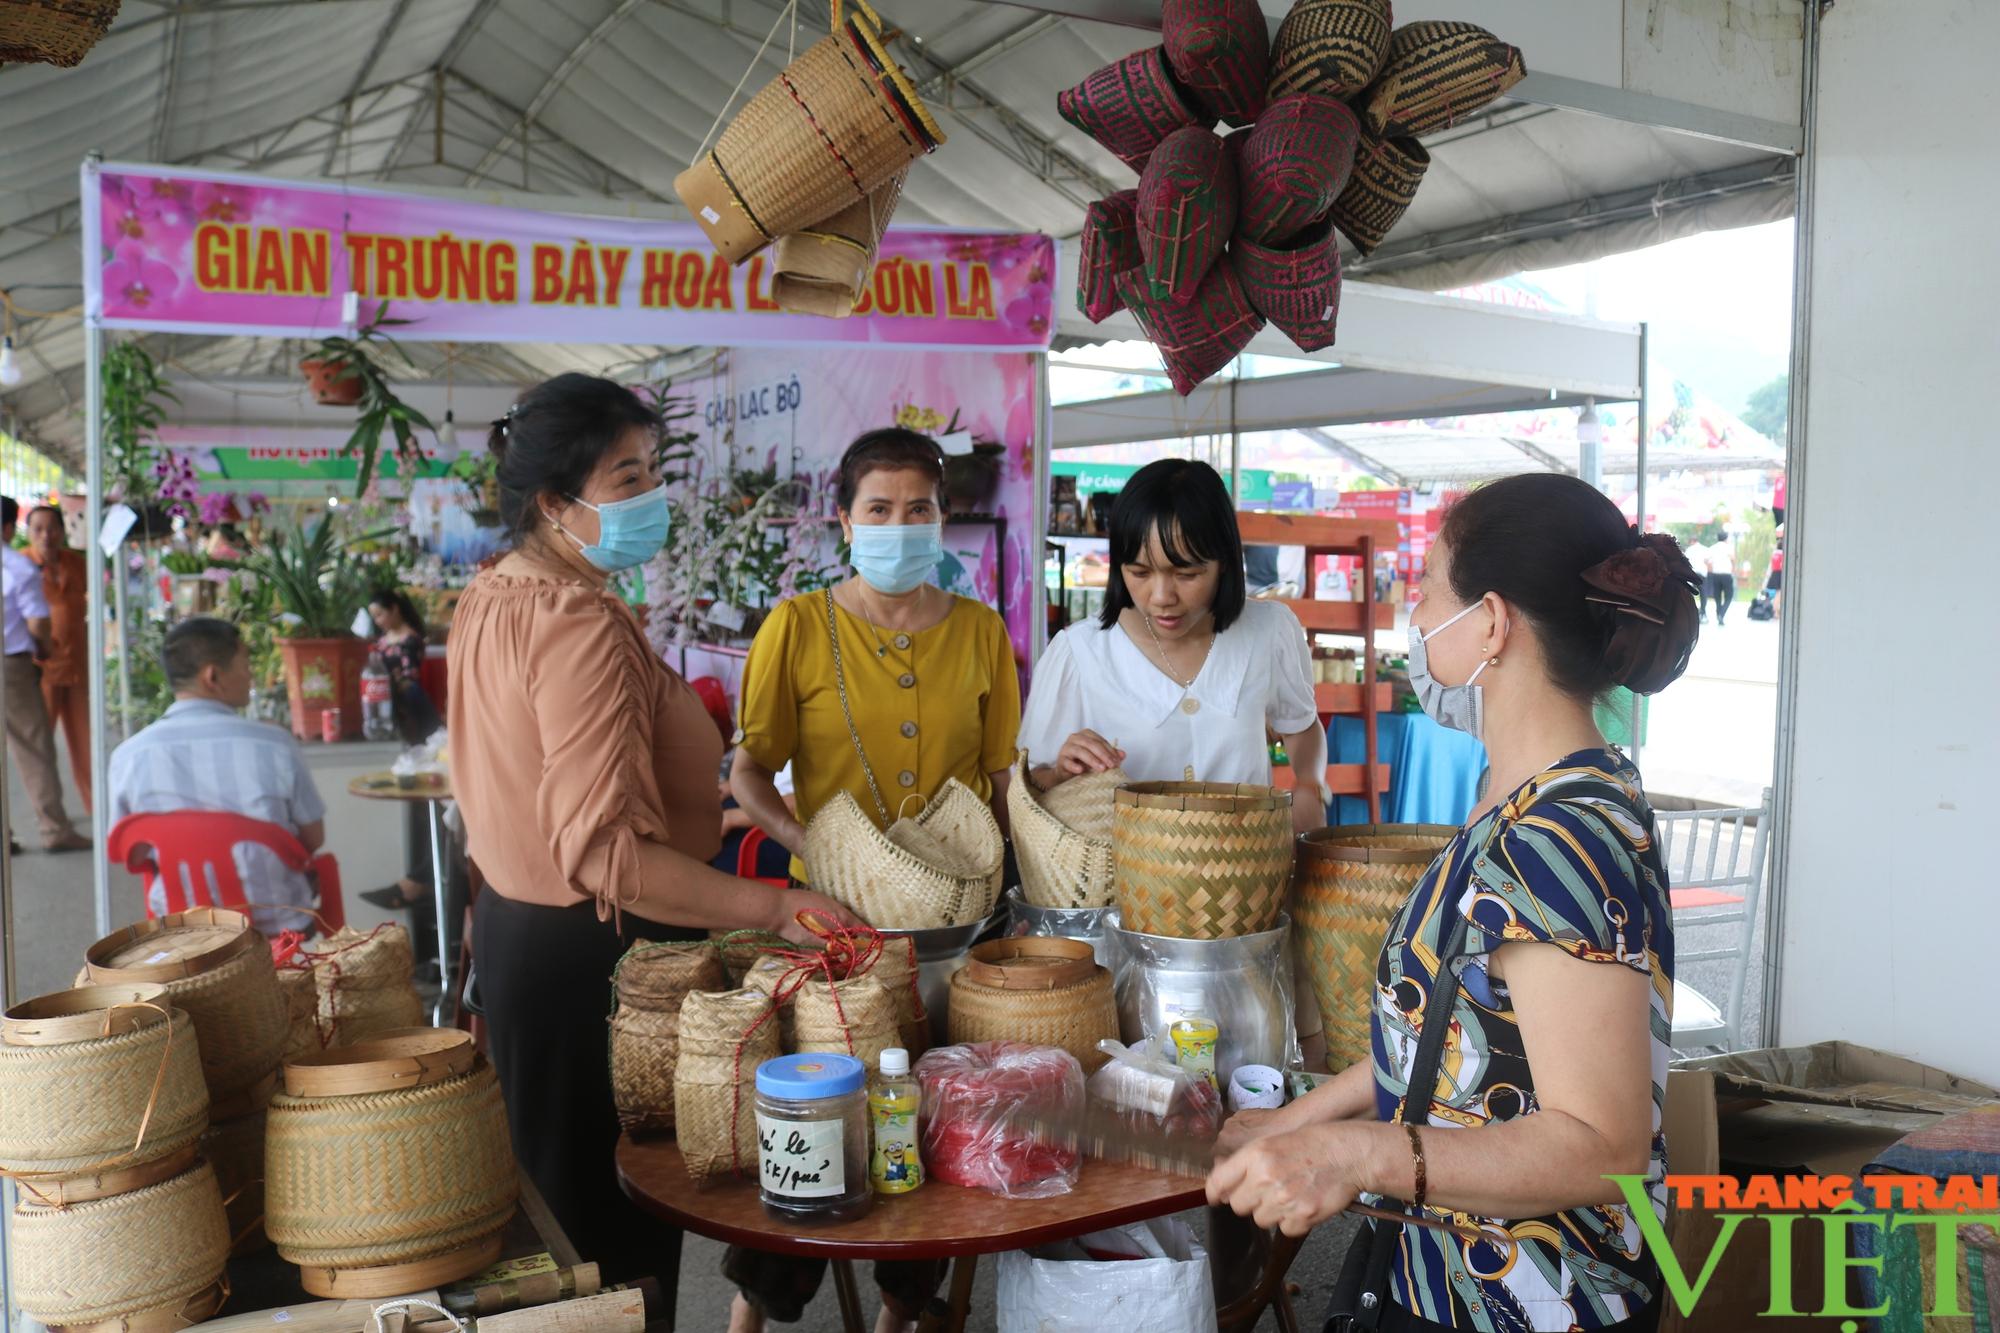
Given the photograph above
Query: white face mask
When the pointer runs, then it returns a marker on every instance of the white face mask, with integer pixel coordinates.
(1460, 707)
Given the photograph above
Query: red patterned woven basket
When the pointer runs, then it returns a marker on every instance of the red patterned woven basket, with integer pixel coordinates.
(1221, 50)
(1109, 246)
(1187, 210)
(1201, 337)
(1296, 161)
(1296, 285)
(1130, 105)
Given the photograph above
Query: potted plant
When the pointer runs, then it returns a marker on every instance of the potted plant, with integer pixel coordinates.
(194, 592)
(479, 472)
(350, 372)
(318, 585)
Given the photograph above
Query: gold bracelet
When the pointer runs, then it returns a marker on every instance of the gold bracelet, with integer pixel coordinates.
(1423, 1176)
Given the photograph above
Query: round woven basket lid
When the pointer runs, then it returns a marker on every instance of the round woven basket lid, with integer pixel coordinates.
(173, 947)
(84, 1013)
(1366, 842)
(1223, 797)
(398, 1058)
(1031, 963)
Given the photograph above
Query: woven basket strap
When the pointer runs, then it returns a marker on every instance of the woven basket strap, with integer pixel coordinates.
(846, 711)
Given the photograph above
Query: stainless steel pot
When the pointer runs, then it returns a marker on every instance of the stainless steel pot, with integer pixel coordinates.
(1070, 923)
(940, 952)
(1244, 984)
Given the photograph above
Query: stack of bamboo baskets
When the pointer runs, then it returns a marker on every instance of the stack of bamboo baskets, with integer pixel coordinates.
(102, 1105)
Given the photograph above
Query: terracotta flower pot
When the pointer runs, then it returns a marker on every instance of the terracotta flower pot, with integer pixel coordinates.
(331, 385)
(322, 674)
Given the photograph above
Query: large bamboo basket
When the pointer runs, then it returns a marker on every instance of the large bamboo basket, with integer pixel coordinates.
(1202, 860)
(1352, 880)
(952, 878)
(1062, 837)
(837, 123)
(649, 984)
(387, 1165)
(97, 1080)
(1037, 989)
(218, 968)
(151, 1259)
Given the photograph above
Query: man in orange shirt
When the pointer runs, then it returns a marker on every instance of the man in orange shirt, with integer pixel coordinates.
(65, 688)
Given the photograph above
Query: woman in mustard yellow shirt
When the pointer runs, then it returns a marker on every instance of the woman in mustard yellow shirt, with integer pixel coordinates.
(930, 676)
(933, 694)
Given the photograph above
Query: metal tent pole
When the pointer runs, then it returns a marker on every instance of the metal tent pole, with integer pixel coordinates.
(94, 564)
(123, 615)
(1645, 428)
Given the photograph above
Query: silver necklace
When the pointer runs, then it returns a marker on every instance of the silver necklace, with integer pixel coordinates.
(1167, 666)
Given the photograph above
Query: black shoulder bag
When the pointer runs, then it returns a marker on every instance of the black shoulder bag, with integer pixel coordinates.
(1361, 1292)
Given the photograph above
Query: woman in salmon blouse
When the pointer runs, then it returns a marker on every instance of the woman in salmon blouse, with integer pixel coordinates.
(585, 771)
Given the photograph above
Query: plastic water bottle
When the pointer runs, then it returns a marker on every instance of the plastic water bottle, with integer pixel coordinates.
(378, 720)
(895, 1166)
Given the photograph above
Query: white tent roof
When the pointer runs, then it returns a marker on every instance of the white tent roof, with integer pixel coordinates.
(519, 100)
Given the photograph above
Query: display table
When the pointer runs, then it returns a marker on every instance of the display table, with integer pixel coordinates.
(939, 1221)
(434, 789)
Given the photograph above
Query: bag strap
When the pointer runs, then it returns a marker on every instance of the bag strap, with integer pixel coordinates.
(840, 684)
(1383, 1237)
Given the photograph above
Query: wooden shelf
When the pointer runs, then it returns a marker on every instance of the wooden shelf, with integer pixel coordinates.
(1345, 779)
(1315, 530)
(1337, 617)
(1345, 700)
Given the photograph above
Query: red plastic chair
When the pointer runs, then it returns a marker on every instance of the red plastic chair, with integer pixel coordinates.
(190, 845)
(746, 859)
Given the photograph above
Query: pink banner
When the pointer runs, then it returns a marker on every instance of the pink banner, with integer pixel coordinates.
(218, 253)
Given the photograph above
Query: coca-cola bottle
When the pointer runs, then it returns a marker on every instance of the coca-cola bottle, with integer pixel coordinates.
(378, 717)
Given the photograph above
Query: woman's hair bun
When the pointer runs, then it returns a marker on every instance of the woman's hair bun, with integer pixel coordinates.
(1644, 597)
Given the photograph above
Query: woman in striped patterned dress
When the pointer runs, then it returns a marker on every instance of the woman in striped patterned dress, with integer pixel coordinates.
(1538, 598)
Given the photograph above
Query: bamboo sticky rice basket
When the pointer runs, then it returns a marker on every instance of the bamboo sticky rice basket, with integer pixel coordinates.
(387, 1165)
(1352, 880)
(649, 983)
(1041, 990)
(1202, 860)
(1062, 837)
(941, 868)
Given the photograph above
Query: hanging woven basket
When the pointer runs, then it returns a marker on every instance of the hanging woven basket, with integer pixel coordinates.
(1294, 284)
(387, 1165)
(840, 121)
(1197, 339)
(1202, 860)
(1386, 175)
(52, 32)
(1331, 47)
(941, 868)
(1130, 105)
(1437, 74)
(1221, 50)
(822, 269)
(1064, 858)
(151, 1259)
(1352, 880)
(1186, 211)
(215, 966)
(1109, 245)
(1295, 162)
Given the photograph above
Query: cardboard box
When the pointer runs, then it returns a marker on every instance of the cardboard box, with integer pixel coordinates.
(1825, 1109)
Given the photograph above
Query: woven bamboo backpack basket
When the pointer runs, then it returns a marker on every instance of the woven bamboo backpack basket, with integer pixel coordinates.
(387, 1167)
(1202, 860)
(837, 123)
(822, 269)
(218, 968)
(1062, 837)
(649, 984)
(100, 1092)
(1041, 990)
(939, 868)
(1352, 879)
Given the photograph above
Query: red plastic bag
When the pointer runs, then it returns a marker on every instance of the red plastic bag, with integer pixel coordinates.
(1002, 1116)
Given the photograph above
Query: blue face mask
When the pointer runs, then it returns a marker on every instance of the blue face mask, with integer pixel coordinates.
(896, 557)
(629, 532)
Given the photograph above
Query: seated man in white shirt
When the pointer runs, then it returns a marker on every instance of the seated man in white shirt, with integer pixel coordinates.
(204, 755)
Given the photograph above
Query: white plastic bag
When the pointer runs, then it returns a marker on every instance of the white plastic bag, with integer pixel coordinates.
(1164, 1288)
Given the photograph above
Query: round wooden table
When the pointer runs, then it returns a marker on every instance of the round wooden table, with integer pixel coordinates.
(939, 1221)
(434, 789)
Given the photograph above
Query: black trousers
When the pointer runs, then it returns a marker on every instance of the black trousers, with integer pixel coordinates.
(1720, 589)
(545, 985)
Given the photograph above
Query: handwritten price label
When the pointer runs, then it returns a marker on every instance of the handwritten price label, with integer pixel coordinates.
(802, 1159)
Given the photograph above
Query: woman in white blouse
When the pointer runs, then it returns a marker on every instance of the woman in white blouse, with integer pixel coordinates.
(1182, 674)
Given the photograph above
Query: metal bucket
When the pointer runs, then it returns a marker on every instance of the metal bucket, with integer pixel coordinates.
(940, 953)
(1244, 984)
(1069, 923)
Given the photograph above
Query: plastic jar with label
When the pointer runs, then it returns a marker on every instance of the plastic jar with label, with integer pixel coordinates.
(812, 1138)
